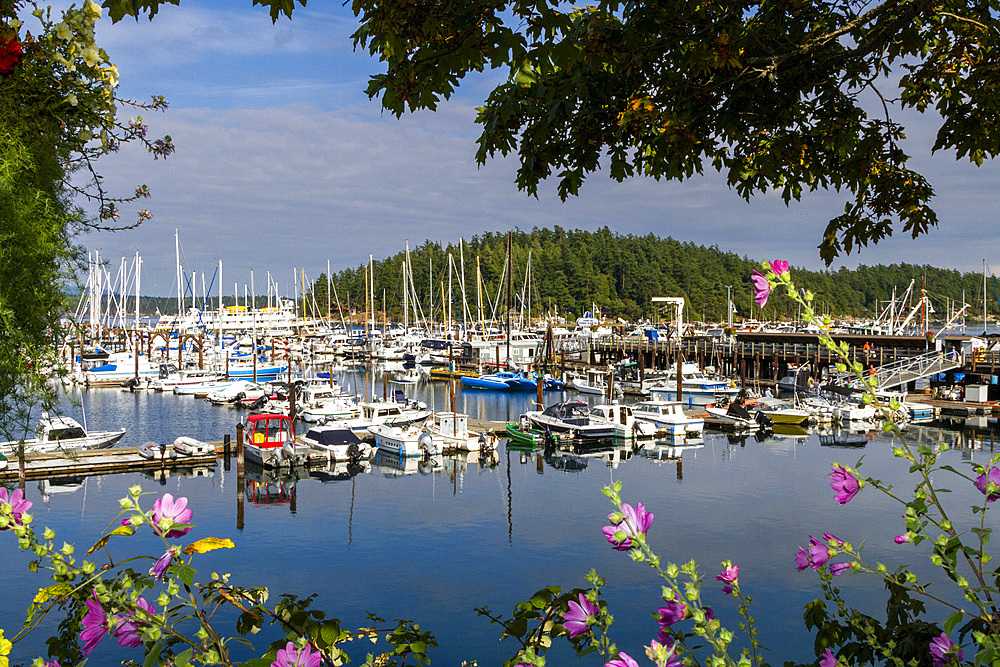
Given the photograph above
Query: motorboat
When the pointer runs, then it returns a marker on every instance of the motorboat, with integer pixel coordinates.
(55, 434)
(496, 381)
(389, 413)
(573, 419)
(337, 442)
(778, 411)
(270, 441)
(170, 377)
(738, 417)
(594, 382)
(668, 417)
(238, 391)
(330, 409)
(409, 441)
(450, 430)
(623, 419)
(697, 387)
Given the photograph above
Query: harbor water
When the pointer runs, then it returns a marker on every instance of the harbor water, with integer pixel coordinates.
(432, 543)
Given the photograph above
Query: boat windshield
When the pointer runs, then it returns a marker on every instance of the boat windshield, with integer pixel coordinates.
(66, 433)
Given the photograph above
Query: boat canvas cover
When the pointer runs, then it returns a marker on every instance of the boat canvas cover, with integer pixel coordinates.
(333, 436)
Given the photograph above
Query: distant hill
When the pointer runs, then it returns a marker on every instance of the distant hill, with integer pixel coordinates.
(573, 270)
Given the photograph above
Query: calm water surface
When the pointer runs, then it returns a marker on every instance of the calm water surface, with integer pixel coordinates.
(431, 545)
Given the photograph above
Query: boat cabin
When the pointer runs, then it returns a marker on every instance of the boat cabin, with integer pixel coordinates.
(269, 430)
(53, 429)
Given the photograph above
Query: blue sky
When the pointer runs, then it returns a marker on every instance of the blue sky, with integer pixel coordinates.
(283, 162)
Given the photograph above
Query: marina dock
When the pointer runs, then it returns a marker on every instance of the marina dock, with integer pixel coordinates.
(100, 462)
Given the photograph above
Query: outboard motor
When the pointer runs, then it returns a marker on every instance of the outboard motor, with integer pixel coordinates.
(288, 452)
(426, 443)
(763, 420)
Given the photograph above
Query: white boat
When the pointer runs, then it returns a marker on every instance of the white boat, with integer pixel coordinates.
(738, 417)
(271, 442)
(697, 387)
(170, 378)
(119, 369)
(54, 434)
(405, 442)
(594, 382)
(337, 442)
(450, 430)
(572, 419)
(668, 417)
(385, 412)
(237, 391)
(622, 419)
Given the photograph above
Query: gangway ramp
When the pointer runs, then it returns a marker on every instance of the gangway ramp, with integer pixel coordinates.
(915, 368)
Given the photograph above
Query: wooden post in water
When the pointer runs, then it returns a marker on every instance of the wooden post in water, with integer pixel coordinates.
(539, 387)
(20, 467)
(239, 450)
(610, 386)
(201, 351)
(239, 477)
(453, 385)
(680, 469)
(291, 401)
(226, 451)
(680, 374)
(385, 386)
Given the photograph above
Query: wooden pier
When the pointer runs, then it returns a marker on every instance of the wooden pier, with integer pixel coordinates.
(99, 462)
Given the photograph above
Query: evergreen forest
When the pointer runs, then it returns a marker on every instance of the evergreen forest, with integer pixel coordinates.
(574, 271)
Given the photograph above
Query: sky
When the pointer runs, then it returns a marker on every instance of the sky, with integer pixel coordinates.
(283, 164)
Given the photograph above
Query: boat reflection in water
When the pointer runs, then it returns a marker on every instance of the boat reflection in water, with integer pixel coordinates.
(272, 486)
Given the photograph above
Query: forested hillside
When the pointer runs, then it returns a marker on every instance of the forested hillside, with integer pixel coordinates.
(572, 269)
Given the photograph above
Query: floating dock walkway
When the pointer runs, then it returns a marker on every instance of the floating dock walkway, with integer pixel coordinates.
(99, 462)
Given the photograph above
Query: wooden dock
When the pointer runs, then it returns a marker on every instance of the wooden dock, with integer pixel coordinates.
(99, 462)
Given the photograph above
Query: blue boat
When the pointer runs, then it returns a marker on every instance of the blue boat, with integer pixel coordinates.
(495, 381)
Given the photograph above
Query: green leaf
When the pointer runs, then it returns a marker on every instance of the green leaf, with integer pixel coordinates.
(183, 658)
(185, 573)
(953, 619)
(154, 655)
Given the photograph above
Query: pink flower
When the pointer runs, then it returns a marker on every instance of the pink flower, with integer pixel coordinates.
(15, 503)
(730, 575)
(802, 559)
(623, 660)
(762, 288)
(991, 476)
(844, 484)
(944, 651)
(780, 267)
(673, 612)
(160, 566)
(577, 619)
(293, 657)
(167, 512)
(837, 569)
(95, 624)
(902, 539)
(634, 522)
(128, 631)
(819, 553)
(828, 659)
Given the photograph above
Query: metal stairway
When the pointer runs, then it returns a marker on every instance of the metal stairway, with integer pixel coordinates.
(914, 368)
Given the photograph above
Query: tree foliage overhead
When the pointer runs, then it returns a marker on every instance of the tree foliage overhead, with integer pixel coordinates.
(786, 95)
